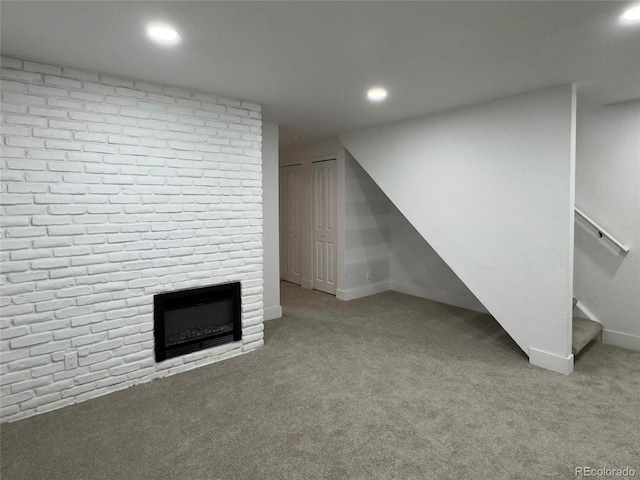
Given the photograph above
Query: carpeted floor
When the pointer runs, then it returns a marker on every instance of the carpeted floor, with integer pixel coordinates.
(386, 387)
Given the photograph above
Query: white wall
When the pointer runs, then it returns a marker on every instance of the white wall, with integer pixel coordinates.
(367, 235)
(418, 270)
(490, 187)
(112, 191)
(270, 221)
(608, 190)
(380, 241)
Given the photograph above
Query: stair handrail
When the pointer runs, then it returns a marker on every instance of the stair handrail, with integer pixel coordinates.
(602, 233)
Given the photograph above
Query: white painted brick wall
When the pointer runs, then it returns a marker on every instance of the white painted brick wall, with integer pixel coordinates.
(114, 190)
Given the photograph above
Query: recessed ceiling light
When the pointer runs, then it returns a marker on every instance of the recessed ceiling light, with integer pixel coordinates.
(631, 15)
(163, 33)
(376, 94)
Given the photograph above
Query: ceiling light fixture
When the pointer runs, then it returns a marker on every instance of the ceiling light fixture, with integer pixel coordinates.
(631, 15)
(376, 94)
(162, 33)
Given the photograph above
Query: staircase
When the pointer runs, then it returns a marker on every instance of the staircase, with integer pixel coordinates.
(583, 332)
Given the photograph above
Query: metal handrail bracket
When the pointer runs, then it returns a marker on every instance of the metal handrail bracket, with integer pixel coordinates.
(602, 232)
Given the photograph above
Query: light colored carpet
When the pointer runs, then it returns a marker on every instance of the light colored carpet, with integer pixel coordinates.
(583, 332)
(386, 387)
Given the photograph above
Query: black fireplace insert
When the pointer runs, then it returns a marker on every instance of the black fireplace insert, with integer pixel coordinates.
(186, 321)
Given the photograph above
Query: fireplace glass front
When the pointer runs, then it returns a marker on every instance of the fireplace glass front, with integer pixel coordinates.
(186, 321)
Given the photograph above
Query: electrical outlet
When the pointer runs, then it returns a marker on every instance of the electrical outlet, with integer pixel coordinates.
(368, 274)
(70, 360)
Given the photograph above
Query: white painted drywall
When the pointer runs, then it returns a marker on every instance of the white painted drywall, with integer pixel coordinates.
(418, 270)
(270, 221)
(381, 241)
(490, 187)
(367, 248)
(608, 190)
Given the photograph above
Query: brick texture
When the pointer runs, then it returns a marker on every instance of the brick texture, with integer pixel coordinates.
(112, 191)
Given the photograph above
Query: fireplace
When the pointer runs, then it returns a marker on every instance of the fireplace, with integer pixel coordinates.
(186, 321)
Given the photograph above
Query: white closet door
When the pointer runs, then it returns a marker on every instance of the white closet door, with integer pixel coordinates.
(324, 226)
(291, 213)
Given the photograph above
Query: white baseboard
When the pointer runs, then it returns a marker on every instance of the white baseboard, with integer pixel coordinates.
(619, 339)
(435, 295)
(551, 361)
(272, 312)
(363, 291)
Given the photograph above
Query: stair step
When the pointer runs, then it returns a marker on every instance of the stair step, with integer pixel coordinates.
(583, 332)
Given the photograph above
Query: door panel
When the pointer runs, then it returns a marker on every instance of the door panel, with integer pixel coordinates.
(324, 226)
(290, 212)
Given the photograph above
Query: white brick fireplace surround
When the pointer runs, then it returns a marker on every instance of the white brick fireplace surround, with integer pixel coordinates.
(113, 191)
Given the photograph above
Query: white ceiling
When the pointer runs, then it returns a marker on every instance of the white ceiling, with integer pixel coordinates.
(309, 63)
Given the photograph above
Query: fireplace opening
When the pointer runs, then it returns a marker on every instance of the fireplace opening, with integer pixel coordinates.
(186, 321)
